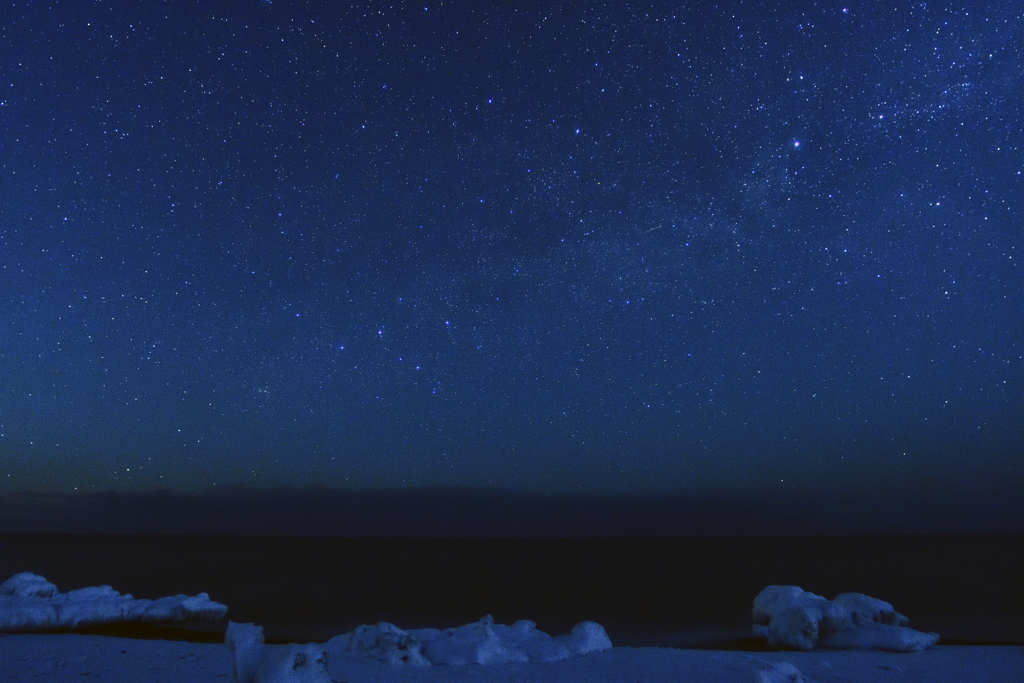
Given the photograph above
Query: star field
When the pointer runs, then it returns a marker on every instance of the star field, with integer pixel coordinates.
(601, 248)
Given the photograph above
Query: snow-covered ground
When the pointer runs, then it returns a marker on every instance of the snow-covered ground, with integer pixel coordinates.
(58, 657)
(851, 638)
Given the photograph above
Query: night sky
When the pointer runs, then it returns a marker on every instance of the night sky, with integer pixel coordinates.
(551, 248)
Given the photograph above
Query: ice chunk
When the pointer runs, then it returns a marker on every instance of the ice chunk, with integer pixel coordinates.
(384, 641)
(246, 642)
(773, 599)
(537, 646)
(865, 610)
(482, 643)
(791, 617)
(586, 637)
(788, 616)
(27, 585)
(180, 608)
(28, 602)
(255, 663)
(475, 643)
(24, 615)
(780, 672)
(880, 637)
(295, 664)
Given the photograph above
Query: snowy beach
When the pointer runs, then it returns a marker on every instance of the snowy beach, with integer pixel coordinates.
(801, 637)
(645, 592)
(674, 610)
(59, 657)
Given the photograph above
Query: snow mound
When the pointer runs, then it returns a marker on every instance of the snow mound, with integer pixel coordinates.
(482, 642)
(28, 603)
(789, 617)
(256, 664)
(781, 672)
(28, 585)
(385, 642)
(297, 664)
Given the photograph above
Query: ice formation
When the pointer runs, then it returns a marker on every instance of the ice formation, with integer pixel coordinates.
(384, 642)
(246, 642)
(296, 664)
(28, 602)
(788, 616)
(781, 672)
(256, 664)
(482, 642)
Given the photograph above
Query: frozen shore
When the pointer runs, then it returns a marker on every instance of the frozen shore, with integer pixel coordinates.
(81, 657)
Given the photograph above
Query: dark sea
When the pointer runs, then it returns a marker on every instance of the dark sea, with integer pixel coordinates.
(661, 592)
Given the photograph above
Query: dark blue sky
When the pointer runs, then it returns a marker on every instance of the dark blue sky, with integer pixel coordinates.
(598, 248)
